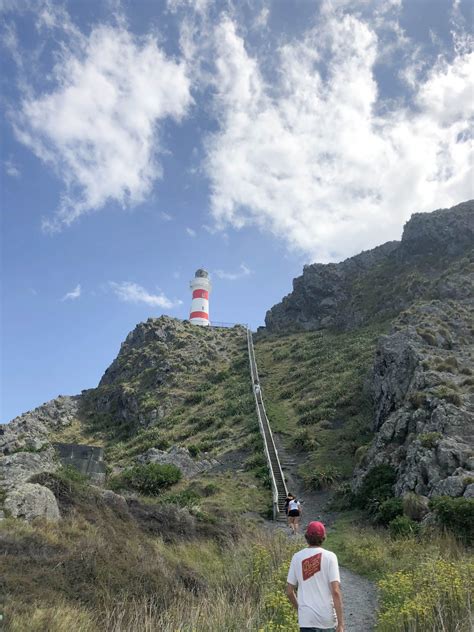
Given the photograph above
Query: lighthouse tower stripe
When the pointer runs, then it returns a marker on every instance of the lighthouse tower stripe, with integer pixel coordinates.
(199, 315)
(201, 294)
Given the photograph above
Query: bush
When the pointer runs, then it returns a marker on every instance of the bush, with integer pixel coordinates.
(429, 439)
(448, 394)
(388, 511)
(403, 526)
(193, 449)
(456, 514)
(149, 479)
(321, 478)
(376, 487)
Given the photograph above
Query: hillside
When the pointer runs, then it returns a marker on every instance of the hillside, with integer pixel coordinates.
(412, 386)
(366, 372)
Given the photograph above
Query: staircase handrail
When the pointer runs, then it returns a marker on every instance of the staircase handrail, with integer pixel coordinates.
(255, 380)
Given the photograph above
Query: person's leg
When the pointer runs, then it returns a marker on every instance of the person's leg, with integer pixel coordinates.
(292, 524)
(297, 524)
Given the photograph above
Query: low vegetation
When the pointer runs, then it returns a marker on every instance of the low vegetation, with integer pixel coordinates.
(425, 576)
(316, 397)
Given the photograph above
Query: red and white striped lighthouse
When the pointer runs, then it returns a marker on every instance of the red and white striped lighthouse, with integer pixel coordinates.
(201, 288)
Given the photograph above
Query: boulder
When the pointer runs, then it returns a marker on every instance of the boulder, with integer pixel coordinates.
(18, 468)
(30, 500)
(181, 458)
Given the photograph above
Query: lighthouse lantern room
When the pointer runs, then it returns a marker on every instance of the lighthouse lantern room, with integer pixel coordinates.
(201, 288)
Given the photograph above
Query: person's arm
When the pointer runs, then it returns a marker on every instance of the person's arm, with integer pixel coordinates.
(291, 594)
(337, 599)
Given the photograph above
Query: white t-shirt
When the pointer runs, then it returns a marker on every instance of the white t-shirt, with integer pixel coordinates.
(293, 504)
(312, 570)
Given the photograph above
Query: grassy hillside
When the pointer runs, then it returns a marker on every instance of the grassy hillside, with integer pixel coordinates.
(315, 391)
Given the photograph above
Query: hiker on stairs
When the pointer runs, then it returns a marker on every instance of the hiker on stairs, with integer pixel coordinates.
(294, 513)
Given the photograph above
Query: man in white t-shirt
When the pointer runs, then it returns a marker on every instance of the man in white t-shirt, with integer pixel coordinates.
(314, 585)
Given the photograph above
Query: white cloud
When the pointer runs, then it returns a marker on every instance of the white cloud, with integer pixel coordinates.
(191, 232)
(76, 292)
(166, 216)
(99, 127)
(133, 293)
(233, 276)
(11, 169)
(316, 158)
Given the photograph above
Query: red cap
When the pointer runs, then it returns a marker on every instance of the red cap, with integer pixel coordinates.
(316, 528)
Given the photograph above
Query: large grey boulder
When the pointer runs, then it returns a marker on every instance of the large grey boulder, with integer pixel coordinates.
(181, 458)
(18, 468)
(29, 501)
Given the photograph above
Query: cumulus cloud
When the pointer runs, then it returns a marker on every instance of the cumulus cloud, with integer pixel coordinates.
(99, 127)
(316, 158)
(233, 276)
(71, 296)
(133, 293)
(191, 232)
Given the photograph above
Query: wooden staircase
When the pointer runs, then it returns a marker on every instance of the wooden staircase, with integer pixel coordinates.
(279, 489)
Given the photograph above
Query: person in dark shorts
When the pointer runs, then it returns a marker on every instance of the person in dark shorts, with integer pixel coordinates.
(294, 514)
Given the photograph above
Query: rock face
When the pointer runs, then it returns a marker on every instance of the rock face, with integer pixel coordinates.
(382, 282)
(30, 430)
(29, 501)
(424, 401)
(181, 458)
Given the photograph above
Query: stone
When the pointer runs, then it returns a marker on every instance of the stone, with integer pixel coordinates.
(29, 501)
(469, 491)
(180, 457)
(450, 486)
(18, 468)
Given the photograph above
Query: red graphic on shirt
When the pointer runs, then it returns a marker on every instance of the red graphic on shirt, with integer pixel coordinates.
(311, 566)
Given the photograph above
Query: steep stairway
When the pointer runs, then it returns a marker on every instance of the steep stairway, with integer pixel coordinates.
(279, 489)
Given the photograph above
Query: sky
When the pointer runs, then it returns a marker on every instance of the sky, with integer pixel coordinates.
(141, 140)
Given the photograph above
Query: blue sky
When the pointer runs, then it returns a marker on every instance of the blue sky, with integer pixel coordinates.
(142, 140)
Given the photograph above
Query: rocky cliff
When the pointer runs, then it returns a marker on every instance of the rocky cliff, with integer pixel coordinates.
(423, 393)
(380, 283)
(421, 382)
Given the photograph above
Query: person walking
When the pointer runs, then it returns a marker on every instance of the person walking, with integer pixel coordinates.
(314, 585)
(294, 514)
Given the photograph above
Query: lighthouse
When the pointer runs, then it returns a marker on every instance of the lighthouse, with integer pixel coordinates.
(201, 287)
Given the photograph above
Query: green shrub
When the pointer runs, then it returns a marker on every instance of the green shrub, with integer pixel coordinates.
(448, 393)
(376, 487)
(456, 514)
(193, 449)
(417, 399)
(429, 439)
(388, 510)
(321, 478)
(403, 527)
(149, 479)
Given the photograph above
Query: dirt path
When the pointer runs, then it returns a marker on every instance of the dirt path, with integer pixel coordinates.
(359, 594)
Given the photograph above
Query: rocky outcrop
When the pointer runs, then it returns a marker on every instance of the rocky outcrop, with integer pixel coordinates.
(380, 283)
(30, 431)
(30, 501)
(424, 401)
(181, 458)
(18, 468)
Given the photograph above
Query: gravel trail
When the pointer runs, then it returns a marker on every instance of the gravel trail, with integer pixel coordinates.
(359, 594)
